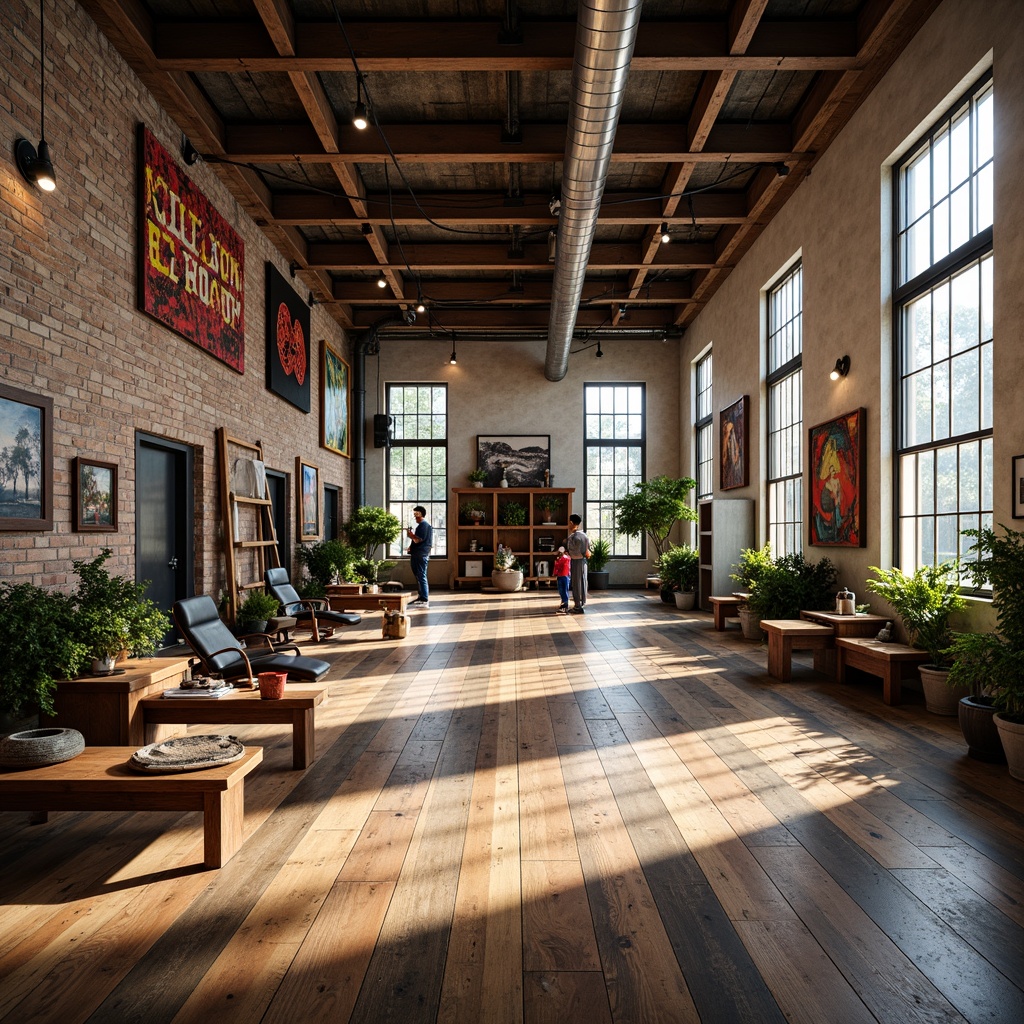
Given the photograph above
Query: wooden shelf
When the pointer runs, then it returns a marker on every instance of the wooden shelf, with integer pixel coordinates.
(524, 540)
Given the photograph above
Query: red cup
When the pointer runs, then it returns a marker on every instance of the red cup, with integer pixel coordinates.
(272, 685)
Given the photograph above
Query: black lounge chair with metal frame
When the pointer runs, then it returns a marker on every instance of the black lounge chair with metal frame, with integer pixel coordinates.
(313, 612)
(222, 653)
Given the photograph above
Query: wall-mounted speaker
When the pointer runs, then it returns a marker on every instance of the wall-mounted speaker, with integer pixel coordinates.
(382, 430)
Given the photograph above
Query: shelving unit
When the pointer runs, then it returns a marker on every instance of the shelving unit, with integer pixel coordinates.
(525, 541)
(725, 527)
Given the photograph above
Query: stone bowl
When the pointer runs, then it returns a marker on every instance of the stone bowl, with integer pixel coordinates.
(37, 747)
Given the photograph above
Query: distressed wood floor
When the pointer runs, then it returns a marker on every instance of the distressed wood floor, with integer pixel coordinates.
(518, 817)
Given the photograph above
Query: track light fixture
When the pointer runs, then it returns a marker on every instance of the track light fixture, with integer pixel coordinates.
(665, 236)
(382, 281)
(453, 359)
(34, 163)
(841, 369)
(359, 116)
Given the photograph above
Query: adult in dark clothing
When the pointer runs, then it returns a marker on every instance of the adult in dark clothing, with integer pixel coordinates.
(422, 538)
(577, 544)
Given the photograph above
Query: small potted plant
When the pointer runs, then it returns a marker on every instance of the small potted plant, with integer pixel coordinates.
(513, 514)
(507, 574)
(678, 568)
(597, 564)
(372, 572)
(924, 603)
(254, 612)
(549, 506)
(325, 562)
(753, 564)
(474, 510)
(477, 477)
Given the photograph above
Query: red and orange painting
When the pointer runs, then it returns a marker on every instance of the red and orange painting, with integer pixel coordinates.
(836, 486)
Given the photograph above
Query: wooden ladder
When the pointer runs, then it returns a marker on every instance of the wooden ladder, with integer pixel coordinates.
(246, 557)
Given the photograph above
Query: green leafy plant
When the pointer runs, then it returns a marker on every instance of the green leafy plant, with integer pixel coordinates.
(513, 514)
(371, 571)
(753, 564)
(257, 607)
(790, 584)
(477, 476)
(372, 527)
(505, 561)
(40, 623)
(654, 507)
(551, 505)
(924, 602)
(600, 553)
(324, 562)
(471, 505)
(678, 568)
(112, 613)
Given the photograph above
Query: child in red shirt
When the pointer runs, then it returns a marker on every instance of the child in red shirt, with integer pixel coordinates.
(563, 567)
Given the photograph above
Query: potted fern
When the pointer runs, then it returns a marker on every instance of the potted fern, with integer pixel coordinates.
(597, 564)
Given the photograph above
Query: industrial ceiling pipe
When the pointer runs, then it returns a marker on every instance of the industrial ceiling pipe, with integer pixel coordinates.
(605, 34)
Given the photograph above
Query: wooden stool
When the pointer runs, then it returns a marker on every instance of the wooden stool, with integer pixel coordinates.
(893, 662)
(724, 608)
(788, 635)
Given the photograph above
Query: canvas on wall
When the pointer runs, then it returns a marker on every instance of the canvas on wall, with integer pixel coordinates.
(522, 459)
(733, 428)
(836, 456)
(26, 460)
(335, 378)
(287, 341)
(191, 261)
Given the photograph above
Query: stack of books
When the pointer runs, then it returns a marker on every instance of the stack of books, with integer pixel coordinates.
(218, 691)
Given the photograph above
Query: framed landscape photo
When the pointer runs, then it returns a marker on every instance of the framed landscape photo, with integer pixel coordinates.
(836, 456)
(1018, 487)
(335, 378)
(523, 459)
(307, 477)
(26, 460)
(93, 496)
(733, 443)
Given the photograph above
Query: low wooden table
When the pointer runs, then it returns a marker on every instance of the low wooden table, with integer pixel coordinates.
(788, 635)
(842, 625)
(893, 662)
(347, 602)
(99, 779)
(724, 608)
(244, 707)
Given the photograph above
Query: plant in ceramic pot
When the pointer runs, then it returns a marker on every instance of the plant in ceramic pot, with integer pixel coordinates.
(325, 563)
(513, 513)
(653, 507)
(371, 571)
(254, 612)
(999, 566)
(507, 574)
(597, 564)
(753, 563)
(924, 603)
(372, 527)
(678, 569)
(550, 506)
(112, 614)
(38, 627)
(473, 510)
(477, 477)
(974, 667)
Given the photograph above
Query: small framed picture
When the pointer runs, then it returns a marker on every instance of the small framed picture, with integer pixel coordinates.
(94, 496)
(1018, 487)
(308, 478)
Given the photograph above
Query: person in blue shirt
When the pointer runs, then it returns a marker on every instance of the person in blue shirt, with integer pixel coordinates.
(421, 537)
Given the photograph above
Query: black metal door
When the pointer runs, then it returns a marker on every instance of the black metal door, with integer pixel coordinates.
(277, 491)
(163, 520)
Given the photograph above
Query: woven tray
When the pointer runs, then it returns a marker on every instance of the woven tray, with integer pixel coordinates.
(187, 754)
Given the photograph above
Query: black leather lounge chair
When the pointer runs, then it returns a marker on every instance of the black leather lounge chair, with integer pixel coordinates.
(312, 612)
(221, 653)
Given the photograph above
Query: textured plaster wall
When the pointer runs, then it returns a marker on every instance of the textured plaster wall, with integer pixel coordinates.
(839, 223)
(500, 388)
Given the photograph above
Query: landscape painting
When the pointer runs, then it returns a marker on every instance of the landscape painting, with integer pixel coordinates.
(26, 460)
(522, 459)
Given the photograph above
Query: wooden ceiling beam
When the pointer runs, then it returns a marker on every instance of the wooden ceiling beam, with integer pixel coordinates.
(744, 17)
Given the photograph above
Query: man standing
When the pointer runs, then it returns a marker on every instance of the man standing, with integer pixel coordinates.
(578, 546)
(422, 537)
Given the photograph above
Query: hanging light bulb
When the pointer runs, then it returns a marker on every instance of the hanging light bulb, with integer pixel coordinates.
(34, 163)
(359, 117)
(453, 359)
(665, 236)
(382, 281)
(421, 306)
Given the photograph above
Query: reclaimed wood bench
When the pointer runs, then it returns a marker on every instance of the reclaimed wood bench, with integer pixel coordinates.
(893, 662)
(788, 635)
(99, 779)
(724, 608)
(348, 602)
(244, 707)
(866, 625)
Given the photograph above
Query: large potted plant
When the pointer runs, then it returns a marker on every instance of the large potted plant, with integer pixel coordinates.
(42, 647)
(507, 574)
(653, 507)
(998, 658)
(370, 528)
(113, 617)
(597, 564)
(254, 612)
(974, 663)
(678, 569)
(325, 562)
(924, 603)
(753, 564)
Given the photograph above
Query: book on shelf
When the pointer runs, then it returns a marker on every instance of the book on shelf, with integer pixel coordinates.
(218, 691)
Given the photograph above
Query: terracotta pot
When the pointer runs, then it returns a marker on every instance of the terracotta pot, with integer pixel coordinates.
(272, 685)
(977, 723)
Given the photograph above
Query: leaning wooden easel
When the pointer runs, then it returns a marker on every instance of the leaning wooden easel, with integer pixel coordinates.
(250, 540)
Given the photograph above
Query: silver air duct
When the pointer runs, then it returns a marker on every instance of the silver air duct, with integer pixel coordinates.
(605, 33)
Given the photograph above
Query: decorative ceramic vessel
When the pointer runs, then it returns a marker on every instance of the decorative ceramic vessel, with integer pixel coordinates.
(37, 747)
(507, 581)
(977, 723)
(1012, 735)
(272, 685)
(685, 599)
(939, 697)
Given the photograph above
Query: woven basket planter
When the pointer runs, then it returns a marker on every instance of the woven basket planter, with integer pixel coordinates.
(37, 747)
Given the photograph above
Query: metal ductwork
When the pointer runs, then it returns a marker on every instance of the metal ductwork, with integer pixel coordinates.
(605, 34)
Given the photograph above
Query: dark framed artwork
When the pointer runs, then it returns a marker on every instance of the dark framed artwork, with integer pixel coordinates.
(93, 496)
(523, 459)
(287, 341)
(335, 380)
(307, 477)
(837, 452)
(733, 445)
(1018, 487)
(191, 261)
(26, 460)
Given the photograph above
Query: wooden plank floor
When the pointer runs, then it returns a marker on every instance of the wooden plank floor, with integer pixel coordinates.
(518, 817)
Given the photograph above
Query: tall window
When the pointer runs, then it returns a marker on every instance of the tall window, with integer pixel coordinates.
(943, 304)
(614, 442)
(785, 414)
(705, 429)
(417, 461)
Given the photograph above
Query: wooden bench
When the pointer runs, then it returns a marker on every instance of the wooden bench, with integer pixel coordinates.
(244, 707)
(724, 608)
(366, 602)
(893, 662)
(99, 779)
(788, 635)
(842, 625)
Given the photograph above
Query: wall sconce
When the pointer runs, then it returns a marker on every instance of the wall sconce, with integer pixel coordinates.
(453, 359)
(359, 116)
(35, 164)
(665, 236)
(841, 369)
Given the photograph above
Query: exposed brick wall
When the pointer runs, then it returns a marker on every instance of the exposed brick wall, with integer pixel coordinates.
(69, 326)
